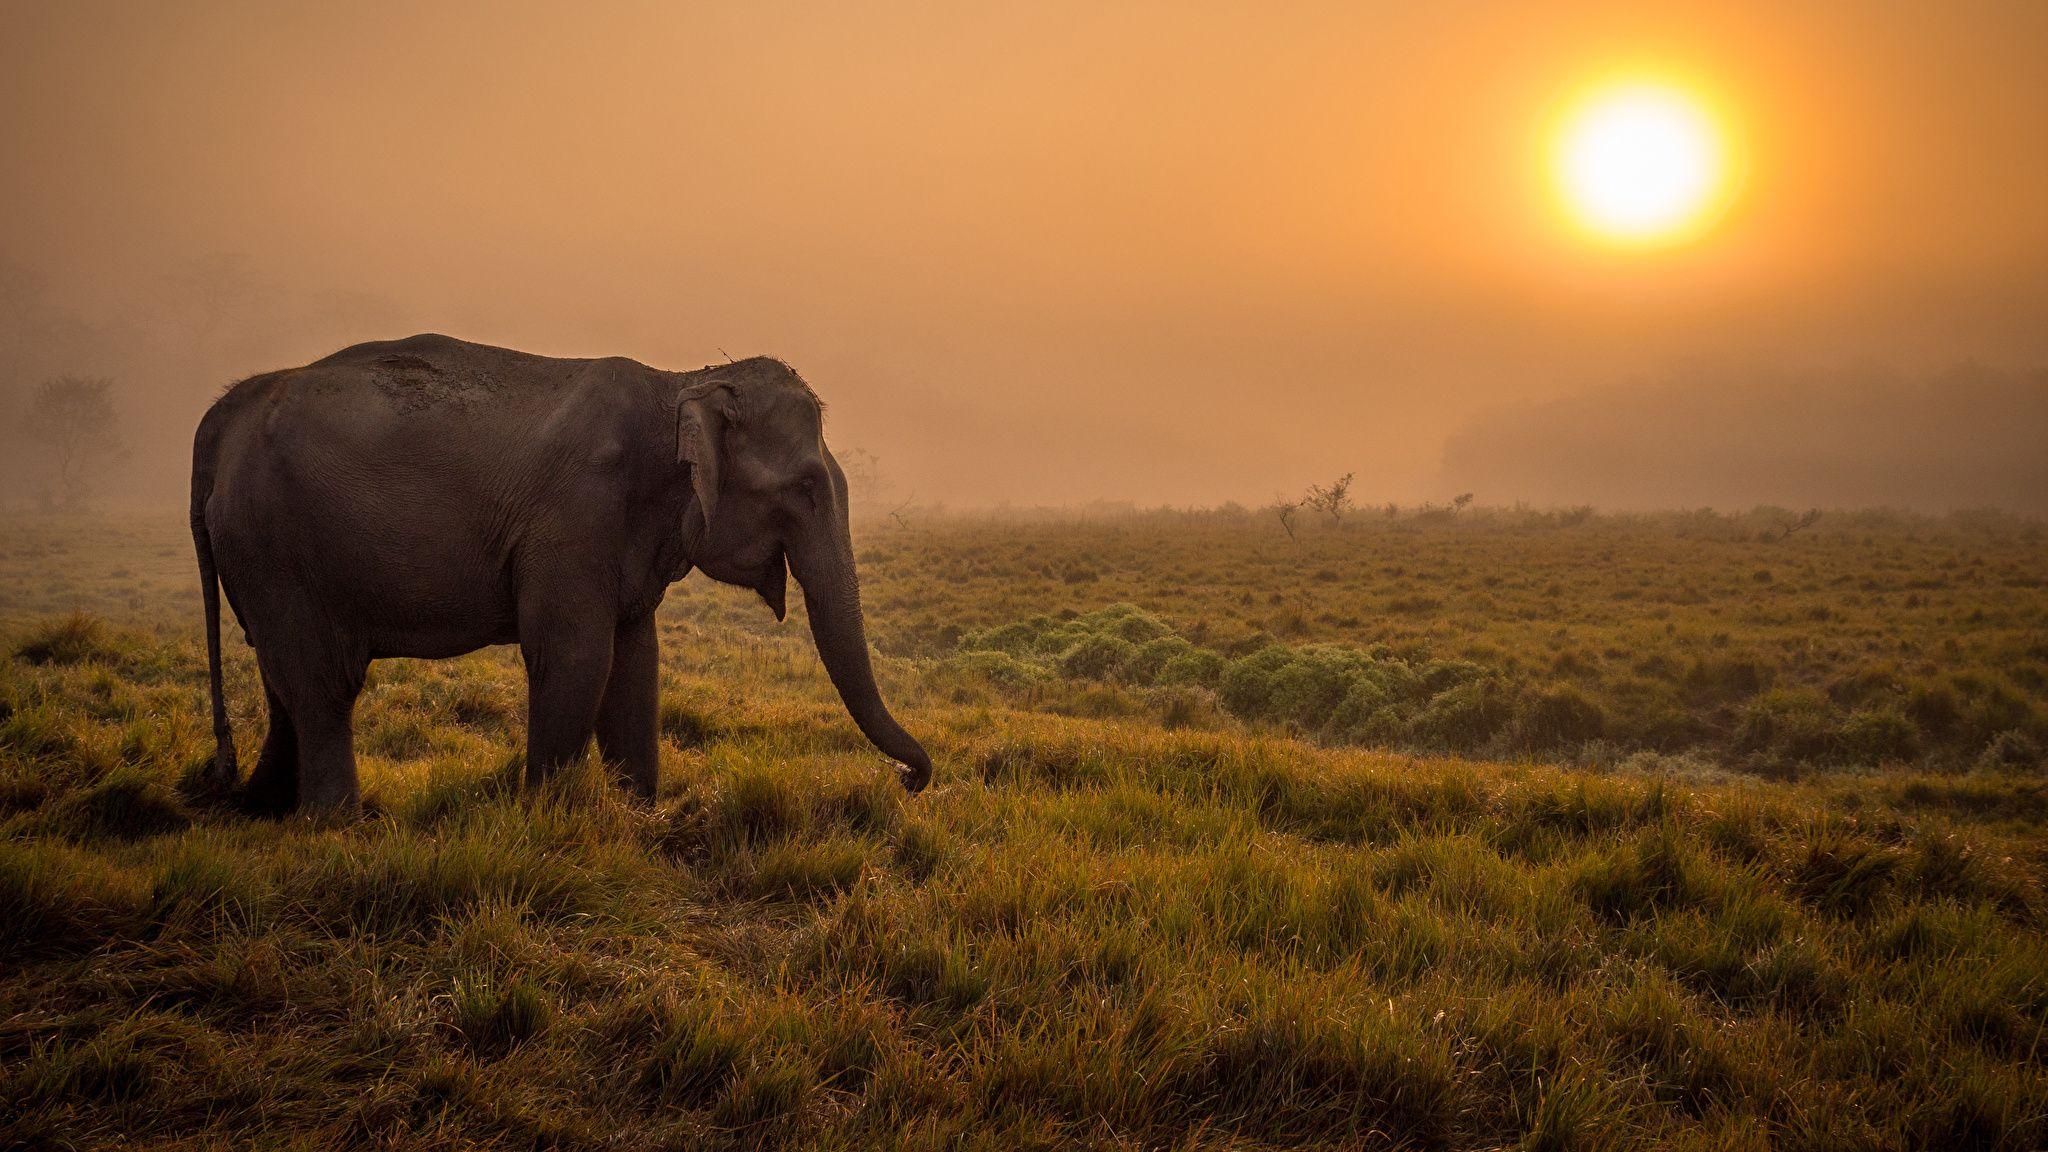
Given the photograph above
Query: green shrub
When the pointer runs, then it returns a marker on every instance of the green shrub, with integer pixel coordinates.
(1246, 686)
(1019, 638)
(997, 667)
(1201, 666)
(1558, 719)
(1877, 736)
(1465, 718)
(1364, 713)
(2011, 751)
(1097, 657)
(1144, 666)
(1308, 688)
(1793, 723)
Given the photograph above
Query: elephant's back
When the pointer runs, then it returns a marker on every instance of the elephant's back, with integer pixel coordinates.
(440, 428)
(436, 376)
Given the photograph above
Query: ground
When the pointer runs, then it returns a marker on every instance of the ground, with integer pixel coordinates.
(1477, 830)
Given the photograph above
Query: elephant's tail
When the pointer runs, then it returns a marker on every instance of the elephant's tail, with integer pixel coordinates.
(224, 772)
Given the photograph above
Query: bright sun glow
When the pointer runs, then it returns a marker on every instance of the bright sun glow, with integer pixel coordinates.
(1640, 163)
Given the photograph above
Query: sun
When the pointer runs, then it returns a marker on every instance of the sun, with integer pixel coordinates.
(1640, 163)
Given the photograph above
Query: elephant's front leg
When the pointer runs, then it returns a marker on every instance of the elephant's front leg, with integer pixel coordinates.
(567, 663)
(626, 724)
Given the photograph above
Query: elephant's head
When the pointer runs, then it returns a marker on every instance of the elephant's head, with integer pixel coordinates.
(767, 493)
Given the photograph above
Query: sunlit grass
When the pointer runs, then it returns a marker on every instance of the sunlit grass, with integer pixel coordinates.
(1092, 930)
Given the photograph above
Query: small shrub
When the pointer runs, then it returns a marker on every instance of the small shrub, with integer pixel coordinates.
(1558, 719)
(1202, 666)
(1098, 657)
(1144, 665)
(1878, 736)
(997, 667)
(2010, 751)
(1465, 718)
(1246, 686)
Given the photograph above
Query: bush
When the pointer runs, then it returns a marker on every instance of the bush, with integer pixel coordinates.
(1098, 657)
(1361, 715)
(997, 667)
(1795, 724)
(1247, 684)
(1557, 720)
(1308, 688)
(2011, 751)
(1878, 735)
(1202, 667)
(1465, 718)
(1152, 657)
(1018, 639)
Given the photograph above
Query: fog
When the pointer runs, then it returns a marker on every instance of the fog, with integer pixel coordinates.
(1172, 253)
(1966, 437)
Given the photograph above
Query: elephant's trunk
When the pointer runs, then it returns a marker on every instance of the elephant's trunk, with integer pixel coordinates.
(823, 566)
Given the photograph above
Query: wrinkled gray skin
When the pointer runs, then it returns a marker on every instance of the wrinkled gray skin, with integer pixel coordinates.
(427, 497)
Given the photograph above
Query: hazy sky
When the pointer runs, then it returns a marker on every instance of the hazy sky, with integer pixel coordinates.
(1167, 252)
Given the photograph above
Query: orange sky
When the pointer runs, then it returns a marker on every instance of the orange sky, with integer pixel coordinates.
(1171, 252)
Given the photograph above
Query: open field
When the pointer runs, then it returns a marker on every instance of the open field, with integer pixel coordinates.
(1491, 830)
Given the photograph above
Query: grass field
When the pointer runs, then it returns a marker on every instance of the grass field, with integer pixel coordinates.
(1502, 829)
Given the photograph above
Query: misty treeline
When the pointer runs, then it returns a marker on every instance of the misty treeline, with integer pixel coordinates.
(1967, 436)
(98, 398)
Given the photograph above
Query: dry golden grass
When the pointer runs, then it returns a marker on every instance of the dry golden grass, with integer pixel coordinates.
(1094, 930)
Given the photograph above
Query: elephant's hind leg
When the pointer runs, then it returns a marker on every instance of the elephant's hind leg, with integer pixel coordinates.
(318, 688)
(626, 726)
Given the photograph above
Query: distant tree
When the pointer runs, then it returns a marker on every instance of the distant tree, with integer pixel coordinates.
(1801, 523)
(1285, 510)
(1332, 499)
(866, 484)
(1459, 504)
(71, 421)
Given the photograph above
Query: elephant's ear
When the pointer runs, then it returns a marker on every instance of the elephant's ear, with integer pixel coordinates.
(701, 418)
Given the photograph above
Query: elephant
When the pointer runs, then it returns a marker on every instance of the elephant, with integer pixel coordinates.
(428, 497)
